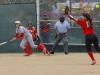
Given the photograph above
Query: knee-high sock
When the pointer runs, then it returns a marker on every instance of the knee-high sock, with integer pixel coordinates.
(26, 50)
(42, 47)
(29, 49)
(91, 56)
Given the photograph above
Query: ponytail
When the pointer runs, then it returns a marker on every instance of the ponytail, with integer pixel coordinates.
(91, 23)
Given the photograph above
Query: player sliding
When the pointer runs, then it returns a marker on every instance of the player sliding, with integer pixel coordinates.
(33, 32)
(88, 30)
(22, 32)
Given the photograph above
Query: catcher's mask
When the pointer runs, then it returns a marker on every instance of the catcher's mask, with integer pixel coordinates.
(30, 24)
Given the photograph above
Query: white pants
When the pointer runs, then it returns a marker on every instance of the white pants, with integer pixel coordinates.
(27, 39)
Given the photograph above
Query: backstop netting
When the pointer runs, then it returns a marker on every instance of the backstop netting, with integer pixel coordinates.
(53, 9)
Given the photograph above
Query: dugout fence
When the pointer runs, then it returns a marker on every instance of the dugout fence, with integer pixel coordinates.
(24, 12)
(9, 14)
(76, 39)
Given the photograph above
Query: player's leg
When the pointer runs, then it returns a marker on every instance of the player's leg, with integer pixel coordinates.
(42, 47)
(95, 42)
(88, 41)
(31, 42)
(22, 45)
(29, 48)
(65, 43)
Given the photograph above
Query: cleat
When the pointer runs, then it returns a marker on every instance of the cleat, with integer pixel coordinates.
(48, 53)
(44, 51)
(27, 55)
(93, 62)
(66, 53)
(51, 52)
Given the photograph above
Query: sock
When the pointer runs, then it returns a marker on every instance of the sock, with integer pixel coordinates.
(91, 56)
(29, 50)
(40, 46)
(99, 51)
(26, 50)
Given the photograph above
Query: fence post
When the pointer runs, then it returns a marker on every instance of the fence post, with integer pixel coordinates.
(38, 15)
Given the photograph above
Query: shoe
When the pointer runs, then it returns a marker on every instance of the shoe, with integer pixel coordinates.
(27, 55)
(93, 62)
(66, 53)
(51, 52)
(44, 51)
(48, 53)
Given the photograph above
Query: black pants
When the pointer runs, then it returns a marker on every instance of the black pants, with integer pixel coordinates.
(89, 39)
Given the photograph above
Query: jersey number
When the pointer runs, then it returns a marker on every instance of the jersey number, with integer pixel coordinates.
(87, 23)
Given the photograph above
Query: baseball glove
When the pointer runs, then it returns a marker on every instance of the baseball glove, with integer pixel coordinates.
(37, 41)
(66, 10)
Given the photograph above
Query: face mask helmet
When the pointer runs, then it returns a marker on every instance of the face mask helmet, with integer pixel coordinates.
(30, 24)
(62, 18)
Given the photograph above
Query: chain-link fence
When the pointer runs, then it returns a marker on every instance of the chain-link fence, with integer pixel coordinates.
(16, 1)
(10, 13)
(52, 9)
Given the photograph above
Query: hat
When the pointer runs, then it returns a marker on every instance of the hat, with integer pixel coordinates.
(18, 22)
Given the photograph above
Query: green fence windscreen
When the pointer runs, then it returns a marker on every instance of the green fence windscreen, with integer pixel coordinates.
(76, 40)
(8, 15)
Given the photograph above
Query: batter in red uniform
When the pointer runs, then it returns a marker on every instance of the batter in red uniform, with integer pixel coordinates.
(90, 36)
(40, 46)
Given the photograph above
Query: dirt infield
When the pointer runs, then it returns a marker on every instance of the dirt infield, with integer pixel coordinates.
(58, 64)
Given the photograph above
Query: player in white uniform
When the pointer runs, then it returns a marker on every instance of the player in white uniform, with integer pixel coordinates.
(22, 32)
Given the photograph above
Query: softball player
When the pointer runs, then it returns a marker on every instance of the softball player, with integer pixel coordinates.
(90, 36)
(22, 32)
(33, 32)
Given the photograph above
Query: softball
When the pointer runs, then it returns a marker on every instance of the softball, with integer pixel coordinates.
(97, 6)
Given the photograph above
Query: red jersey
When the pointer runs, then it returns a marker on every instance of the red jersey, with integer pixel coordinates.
(85, 27)
(33, 32)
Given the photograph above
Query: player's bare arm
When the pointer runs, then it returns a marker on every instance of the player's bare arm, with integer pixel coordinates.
(82, 7)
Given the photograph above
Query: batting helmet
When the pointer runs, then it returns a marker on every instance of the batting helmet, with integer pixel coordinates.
(18, 22)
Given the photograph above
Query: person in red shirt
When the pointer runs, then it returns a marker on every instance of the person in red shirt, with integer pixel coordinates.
(33, 32)
(88, 30)
(45, 29)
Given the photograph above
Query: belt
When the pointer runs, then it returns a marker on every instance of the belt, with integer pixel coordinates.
(62, 33)
(90, 34)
